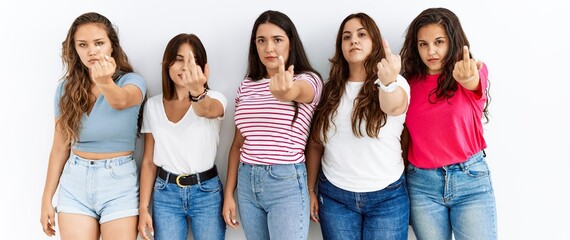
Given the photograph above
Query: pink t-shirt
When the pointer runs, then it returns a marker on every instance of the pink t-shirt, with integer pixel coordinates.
(447, 131)
(265, 123)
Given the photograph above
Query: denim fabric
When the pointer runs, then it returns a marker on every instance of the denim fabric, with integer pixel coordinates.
(105, 189)
(454, 199)
(273, 201)
(199, 205)
(382, 214)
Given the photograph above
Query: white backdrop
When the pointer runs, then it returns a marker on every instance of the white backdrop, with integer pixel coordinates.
(521, 42)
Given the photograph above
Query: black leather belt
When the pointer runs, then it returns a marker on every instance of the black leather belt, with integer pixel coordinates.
(187, 180)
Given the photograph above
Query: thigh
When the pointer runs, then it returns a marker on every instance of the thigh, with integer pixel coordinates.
(253, 217)
(206, 210)
(120, 229)
(285, 197)
(473, 212)
(168, 213)
(77, 226)
(386, 212)
(74, 191)
(429, 215)
(338, 216)
(117, 189)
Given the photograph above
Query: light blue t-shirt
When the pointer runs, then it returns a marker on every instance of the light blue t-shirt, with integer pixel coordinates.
(107, 129)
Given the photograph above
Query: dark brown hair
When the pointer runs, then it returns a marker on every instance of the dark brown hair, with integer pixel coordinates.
(412, 65)
(366, 108)
(169, 57)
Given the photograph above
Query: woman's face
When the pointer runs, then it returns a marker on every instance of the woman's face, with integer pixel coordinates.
(92, 43)
(356, 42)
(180, 64)
(433, 46)
(271, 42)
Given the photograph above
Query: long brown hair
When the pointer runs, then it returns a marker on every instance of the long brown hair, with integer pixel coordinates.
(297, 57)
(75, 100)
(366, 108)
(412, 64)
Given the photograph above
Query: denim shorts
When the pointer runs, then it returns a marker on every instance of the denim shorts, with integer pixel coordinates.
(104, 189)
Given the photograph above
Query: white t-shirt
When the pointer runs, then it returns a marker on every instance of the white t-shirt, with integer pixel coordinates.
(188, 146)
(363, 164)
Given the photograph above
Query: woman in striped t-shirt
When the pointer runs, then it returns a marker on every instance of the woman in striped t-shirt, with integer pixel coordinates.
(274, 108)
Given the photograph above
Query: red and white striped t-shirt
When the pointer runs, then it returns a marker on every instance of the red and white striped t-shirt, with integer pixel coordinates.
(265, 122)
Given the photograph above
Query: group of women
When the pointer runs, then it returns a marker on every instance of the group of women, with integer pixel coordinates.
(386, 141)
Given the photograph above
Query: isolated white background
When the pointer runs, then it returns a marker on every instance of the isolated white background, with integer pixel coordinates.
(524, 44)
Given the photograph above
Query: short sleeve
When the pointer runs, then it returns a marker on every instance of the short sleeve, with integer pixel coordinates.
(145, 127)
(134, 79)
(57, 98)
(220, 97)
(315, 82)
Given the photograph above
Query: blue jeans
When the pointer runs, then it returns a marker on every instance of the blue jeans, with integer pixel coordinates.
(456, 198)
(383, 214)
(200, 205)
(273, 201)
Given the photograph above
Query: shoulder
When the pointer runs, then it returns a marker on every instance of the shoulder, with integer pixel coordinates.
(132, 78)
(155, 99)
(60, 88)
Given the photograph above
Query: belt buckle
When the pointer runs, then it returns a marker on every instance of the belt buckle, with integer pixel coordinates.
(178, 180)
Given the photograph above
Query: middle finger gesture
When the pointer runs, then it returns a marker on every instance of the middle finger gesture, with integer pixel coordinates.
(282, 82)
(194, 78)
(389, 66)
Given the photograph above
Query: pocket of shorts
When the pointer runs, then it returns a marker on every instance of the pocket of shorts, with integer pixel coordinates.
(67, 167)
(211, 185)
(282, 172)
(125, 170)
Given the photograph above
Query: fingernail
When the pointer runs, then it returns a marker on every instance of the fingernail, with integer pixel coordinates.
(234, 221)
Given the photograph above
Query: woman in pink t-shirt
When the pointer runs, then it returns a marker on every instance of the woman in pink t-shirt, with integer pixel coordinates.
(448, 179)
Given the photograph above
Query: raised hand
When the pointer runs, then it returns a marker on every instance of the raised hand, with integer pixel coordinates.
(389, 66)
(282, 82)
(467, 69)
(103, 69)
(194, 78)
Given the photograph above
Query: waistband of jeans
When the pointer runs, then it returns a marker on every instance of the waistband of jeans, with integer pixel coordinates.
(475, 158)
(269, 166)
(187, 180)
(100, 163)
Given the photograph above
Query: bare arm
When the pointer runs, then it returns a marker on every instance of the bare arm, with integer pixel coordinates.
(229, 209)
(58, 156)
(208, 108)
(148, 175)
(313, 153)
